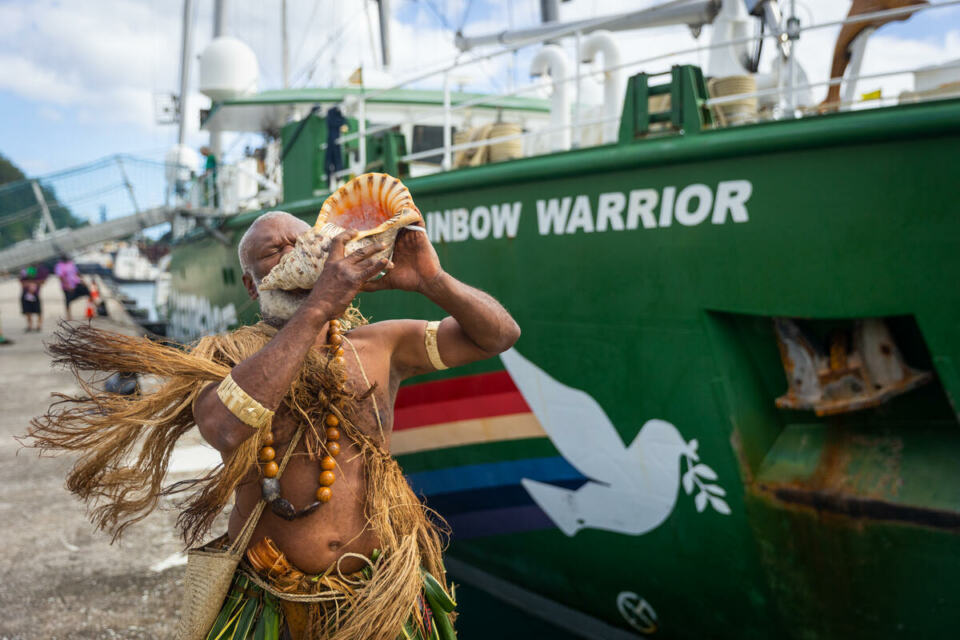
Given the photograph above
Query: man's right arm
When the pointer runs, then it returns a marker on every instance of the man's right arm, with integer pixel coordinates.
(268, 374)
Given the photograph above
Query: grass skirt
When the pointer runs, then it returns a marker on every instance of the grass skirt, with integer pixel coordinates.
(270, 599)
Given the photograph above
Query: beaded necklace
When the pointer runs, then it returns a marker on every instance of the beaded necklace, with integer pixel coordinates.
(270, 483)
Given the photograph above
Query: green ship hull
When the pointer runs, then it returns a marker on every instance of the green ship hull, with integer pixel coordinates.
(628, 461)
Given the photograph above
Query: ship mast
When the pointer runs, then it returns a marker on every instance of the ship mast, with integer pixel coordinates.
(549, 12)
(216, 136)
(285, 46)
(384, 8)
(694, 13)
(185, 46)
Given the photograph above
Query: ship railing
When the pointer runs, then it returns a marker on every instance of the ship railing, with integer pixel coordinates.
(828, 83)
(231, 188)
(785, 92)
(544, 132)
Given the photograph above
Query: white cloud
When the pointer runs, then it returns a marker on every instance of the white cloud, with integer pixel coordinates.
(50, 113)
(97, 59)
(30, 80)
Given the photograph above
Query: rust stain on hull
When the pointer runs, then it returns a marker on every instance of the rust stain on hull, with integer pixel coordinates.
(858, 477)
(864, 508)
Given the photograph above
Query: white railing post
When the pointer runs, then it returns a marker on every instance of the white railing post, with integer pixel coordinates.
(362, 130)
(793, 32)
(857, 49)
(577, 139)
(48, 225)
(447, 122)
(128, 185)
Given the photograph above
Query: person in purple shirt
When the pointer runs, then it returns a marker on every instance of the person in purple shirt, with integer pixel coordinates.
(70, 281)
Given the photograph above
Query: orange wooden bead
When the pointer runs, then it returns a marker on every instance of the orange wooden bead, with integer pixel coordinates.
(333, 448)
(268, 438)
(327, 478)
(336, 339)
(334, 324)
(340, 361)
(328, 463)
(267, 454)
(333, 433)
(324, 494)
(332, 420)
(271, 469)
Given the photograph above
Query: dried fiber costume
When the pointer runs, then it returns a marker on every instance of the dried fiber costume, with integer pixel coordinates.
(125, 443)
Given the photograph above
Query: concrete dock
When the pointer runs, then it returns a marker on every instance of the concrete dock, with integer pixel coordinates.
(60, 577)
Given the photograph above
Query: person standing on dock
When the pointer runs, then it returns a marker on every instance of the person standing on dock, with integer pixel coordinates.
(30, 282)
(210, 192)
(70, 281)
(300, 406)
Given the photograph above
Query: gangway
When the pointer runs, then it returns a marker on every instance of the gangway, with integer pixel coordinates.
(60, 241)
(67, 211)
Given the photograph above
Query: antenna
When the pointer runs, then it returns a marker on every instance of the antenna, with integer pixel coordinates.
(284, 43)
(166, 108)
(384, 6)
(216, 137)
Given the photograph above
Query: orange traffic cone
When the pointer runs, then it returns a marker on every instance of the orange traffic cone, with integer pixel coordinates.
(92, 301)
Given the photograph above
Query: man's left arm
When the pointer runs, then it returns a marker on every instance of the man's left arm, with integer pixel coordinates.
(478, 326)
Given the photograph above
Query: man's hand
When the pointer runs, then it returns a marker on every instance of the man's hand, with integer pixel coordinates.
(343, 276)
(267, 374)
(415, 264)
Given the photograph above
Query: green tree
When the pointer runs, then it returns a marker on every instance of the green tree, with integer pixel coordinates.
(19, 210)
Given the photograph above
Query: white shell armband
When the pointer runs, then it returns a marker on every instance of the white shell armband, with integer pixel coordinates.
(242, 405)
(430, 340)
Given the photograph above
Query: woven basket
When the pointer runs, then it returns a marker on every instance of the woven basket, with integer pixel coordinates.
(508, 149)
(210, 570)
(739, 111)
(209, 573)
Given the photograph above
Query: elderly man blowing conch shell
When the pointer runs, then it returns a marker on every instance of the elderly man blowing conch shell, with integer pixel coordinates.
(325, 538)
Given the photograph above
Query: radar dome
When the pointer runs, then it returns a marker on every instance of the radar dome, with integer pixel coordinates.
(228, 69)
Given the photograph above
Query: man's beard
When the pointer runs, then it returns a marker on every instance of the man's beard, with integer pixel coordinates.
(278, 306)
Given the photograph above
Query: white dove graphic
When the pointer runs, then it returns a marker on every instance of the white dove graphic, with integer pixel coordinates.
(632, 490)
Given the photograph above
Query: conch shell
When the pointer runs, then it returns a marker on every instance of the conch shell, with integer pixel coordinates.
(376, 204)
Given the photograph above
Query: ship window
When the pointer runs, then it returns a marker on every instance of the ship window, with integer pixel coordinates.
(426, 137)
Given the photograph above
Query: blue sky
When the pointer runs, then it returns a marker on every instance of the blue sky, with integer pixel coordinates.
(48, 128)
(77, 80)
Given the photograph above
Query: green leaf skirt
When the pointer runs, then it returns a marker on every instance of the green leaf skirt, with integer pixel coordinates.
(249, 612)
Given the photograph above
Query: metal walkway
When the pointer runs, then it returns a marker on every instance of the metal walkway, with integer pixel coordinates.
(108, 199)
(60, 241)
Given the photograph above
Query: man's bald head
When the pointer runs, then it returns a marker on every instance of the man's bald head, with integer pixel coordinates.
(268, 239)
(266, 229)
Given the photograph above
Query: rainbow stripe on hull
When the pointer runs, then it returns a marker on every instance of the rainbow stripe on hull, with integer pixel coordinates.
(483, 499)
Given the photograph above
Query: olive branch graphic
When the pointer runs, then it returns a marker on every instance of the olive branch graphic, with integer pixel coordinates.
(697, 476)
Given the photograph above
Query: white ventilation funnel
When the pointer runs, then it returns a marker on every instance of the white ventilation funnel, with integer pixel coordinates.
(551, 61)
(604, 42)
